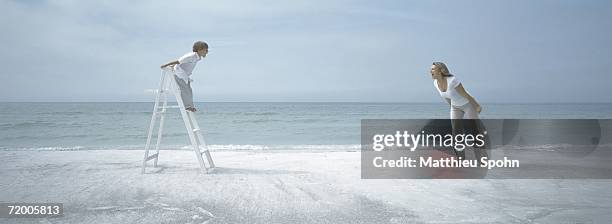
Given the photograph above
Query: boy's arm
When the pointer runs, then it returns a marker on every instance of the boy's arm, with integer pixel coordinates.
(170, 63)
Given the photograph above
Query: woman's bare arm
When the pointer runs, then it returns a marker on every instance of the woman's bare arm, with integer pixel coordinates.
(465, 94)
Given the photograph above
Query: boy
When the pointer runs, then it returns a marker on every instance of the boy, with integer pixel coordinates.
(183, 67)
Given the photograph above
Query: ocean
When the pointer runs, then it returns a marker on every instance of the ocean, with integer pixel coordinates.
(235, 126)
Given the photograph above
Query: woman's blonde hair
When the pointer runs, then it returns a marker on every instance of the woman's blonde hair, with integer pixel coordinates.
(443, 69)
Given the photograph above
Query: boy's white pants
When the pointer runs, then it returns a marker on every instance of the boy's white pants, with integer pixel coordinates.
(186, 93)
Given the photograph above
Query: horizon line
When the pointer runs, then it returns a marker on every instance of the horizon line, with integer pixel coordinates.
(373, 102)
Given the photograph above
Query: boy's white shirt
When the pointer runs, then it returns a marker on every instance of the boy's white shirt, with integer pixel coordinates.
(186, 65)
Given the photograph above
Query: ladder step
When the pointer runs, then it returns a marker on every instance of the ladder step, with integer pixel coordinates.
(166, 107)
(152, 157)
(155, 91)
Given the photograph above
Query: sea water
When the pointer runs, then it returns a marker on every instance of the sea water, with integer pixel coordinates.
(235, 126)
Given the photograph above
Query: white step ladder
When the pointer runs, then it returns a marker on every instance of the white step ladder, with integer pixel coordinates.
(168, 85)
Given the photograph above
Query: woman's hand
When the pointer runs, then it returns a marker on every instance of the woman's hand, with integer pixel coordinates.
(478, 108)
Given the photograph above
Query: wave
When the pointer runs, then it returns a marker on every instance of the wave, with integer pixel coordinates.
(232, 147)
(45, 148)
(261, 113)
(244, 113)
(28, 124)
(62, 113)
(297, 147)
(215, 147)
(552, 147)
(45, 137)
(256, 121)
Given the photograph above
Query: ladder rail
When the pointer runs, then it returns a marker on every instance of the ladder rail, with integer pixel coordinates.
(200, 137)
(152, 123)
(161, 123)
(188, 125)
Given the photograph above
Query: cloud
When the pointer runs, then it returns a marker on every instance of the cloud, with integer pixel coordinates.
(297, 50)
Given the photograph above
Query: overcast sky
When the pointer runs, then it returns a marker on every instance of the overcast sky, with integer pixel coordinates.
(381, 51)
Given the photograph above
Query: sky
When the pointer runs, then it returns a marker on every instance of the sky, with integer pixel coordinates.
(308, 51)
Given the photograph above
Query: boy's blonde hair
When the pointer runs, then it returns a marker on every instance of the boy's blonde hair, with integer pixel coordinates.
(199, 45)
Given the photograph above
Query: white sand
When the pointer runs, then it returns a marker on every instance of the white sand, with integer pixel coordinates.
(106, 186)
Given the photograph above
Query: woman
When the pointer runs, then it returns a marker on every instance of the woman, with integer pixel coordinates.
(463, 105)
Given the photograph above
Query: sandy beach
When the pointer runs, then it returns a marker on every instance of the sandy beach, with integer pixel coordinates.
(106, 186)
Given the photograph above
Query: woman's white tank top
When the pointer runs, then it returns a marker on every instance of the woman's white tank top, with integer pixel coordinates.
(451, 93)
